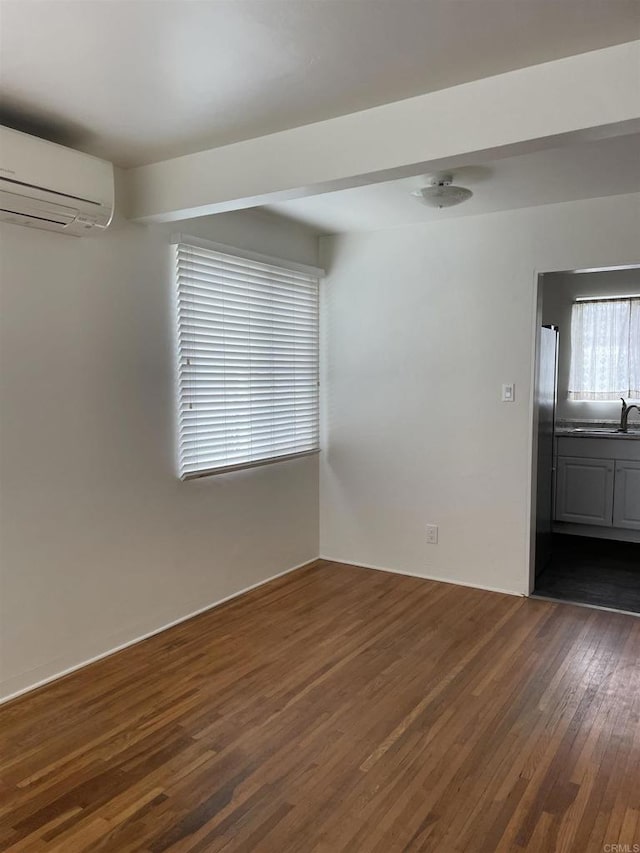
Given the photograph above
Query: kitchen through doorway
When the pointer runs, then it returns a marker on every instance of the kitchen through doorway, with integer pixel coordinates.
(587, 404)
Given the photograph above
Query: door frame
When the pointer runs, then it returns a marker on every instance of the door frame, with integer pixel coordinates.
(534, 413)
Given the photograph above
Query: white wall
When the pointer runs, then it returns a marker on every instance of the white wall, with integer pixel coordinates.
(560, 292)
(99, 541)
(421, 326)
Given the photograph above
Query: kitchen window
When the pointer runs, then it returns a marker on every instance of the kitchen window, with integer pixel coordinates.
(605, 349)
(247, 359)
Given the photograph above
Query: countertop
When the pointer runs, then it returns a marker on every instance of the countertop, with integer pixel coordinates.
(598, 432)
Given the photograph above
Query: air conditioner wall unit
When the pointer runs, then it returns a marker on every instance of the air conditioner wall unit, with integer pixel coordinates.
(44, 185)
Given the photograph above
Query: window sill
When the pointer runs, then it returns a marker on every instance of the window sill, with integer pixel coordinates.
(259, 463)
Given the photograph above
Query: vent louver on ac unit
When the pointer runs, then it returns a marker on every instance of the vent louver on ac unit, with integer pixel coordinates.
(47, 186)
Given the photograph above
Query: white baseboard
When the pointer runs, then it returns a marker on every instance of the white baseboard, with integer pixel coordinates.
(424, 577)
(152, 633)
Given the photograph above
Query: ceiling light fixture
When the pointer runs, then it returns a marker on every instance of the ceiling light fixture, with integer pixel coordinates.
(442, 193)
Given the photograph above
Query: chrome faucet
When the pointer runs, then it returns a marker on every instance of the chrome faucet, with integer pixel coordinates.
(624, 417)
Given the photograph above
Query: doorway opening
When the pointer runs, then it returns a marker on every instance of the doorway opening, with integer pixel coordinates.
(586, 418)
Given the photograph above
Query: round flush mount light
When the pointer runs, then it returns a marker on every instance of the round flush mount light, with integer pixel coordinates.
(442, 193)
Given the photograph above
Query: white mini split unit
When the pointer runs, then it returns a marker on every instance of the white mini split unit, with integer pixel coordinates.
(44, 185)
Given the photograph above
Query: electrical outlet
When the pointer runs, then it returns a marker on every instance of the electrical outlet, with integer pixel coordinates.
(432, 534)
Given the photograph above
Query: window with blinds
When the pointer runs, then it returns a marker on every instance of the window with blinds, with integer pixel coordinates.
(247, 361)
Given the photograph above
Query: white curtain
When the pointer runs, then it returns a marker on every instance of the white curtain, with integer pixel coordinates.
(634, 350)
(605, 350)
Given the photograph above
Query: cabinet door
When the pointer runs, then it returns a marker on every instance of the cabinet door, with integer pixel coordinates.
(584, 491)
(626, 506)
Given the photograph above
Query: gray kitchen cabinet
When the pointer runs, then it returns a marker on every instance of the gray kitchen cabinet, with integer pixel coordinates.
(584, 491)
(626, 504)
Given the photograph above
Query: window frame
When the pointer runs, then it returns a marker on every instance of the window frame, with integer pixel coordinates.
(312, 272)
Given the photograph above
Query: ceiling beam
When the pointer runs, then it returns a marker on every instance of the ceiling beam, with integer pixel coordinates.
(589, 96)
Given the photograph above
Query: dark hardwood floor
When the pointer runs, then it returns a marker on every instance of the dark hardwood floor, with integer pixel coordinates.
(339, 709)
(593, 571)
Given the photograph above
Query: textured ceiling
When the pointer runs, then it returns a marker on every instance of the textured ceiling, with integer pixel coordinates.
(142, 80)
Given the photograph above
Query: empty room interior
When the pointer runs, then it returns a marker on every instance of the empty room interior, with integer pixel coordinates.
(320, 426)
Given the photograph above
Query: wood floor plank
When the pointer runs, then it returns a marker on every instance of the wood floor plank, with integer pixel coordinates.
(339, 709)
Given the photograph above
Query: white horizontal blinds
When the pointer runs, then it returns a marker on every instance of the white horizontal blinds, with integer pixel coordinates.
(248, 361)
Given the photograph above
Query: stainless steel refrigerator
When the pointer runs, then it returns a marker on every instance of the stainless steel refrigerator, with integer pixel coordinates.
(546, 392)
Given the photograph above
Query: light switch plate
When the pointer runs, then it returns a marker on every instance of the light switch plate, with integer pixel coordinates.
(508, 393)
